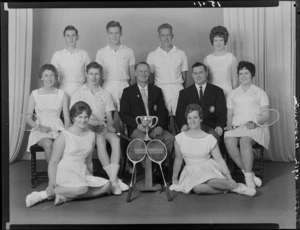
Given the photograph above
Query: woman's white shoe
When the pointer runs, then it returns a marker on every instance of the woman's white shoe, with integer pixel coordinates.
(244, 190)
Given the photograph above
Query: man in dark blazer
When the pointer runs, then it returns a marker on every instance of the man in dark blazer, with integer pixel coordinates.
(212, 101)
(132, 105)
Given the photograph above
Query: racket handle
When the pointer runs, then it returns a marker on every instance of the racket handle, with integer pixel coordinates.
(129, 194)
(123, 136)
(168, 193)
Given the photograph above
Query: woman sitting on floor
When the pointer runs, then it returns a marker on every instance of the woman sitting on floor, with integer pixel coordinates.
(70, 168)
(243, 104)
(205, 171)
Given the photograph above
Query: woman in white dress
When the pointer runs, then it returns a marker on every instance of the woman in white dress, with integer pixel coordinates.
(221, 64)
(47, 102)
(205, 171)
(70, 168)
(243, 105)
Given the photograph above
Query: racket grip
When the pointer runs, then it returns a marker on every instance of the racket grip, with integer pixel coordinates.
(123, 136)
(168, 193)
(129, 194)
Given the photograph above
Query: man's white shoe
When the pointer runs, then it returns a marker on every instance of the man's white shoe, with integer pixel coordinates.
(32, 199)
(244, 190)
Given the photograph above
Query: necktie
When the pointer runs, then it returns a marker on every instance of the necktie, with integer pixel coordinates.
(201, 95)
(145, 100)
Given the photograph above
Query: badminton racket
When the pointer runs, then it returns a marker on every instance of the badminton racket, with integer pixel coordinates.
(136, 152)
(157, 152)
(24, 125)
(95, 122)
(271, 114)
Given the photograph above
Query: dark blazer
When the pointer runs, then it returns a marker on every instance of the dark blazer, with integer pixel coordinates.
(214, 105)
(131, 106)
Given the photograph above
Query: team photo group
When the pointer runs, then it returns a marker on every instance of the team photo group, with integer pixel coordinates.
(83, 100)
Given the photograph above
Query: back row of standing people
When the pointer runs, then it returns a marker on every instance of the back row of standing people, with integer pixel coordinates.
(168, 64)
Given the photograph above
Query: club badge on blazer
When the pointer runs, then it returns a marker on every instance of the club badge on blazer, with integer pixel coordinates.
(212, 109)
(155, 108)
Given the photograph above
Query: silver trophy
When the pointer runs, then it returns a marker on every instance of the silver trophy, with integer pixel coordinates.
(147, 122)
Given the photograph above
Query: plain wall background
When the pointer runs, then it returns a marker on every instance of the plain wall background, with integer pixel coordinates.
(191, 28)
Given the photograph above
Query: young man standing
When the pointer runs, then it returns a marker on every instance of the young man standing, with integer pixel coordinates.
(101, 122)
(118, 63)
(168, 66)
(70, 62)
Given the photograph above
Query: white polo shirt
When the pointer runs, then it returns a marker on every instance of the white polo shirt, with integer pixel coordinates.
(116, 63)
(168, 67)
(100, 102)
(71, 66)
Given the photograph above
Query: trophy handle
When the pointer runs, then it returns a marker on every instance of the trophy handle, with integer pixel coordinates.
(156, 120)
(138, 120)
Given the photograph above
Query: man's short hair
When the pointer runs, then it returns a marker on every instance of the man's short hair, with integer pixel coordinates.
(197, 64)
(140, 63)
(94, 65)
(165, 26)
(113, 24)
(70, 28)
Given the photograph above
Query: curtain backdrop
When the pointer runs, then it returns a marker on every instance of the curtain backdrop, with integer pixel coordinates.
(20, 51)
(266, 37)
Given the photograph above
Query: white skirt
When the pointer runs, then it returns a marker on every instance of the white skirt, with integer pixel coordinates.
(260, 134)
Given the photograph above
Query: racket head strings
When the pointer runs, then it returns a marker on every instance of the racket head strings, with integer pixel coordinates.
(157, 151)
(136, 150)
(273, 117)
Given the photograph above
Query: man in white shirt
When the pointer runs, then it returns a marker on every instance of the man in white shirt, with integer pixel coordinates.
(101, 122)
(168, 66)
(70, 62)
(118, 63)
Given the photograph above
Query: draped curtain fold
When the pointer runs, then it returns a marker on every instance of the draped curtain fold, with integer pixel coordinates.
(266, 37)
(20, 52)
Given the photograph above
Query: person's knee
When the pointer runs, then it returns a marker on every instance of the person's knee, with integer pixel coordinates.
(246, 142)
(200, 189)
(47, 145)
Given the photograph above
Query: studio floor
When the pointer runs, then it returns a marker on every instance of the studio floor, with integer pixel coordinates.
(274, 203)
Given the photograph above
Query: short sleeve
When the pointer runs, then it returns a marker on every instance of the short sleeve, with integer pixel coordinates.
(99, 57)
(109, 103)
(75, 96)
(179, 137)
(264, 99)
(87, 58)
(150, 62)
(184, 62)
(131, 57)
(212, 142)
(55, 60)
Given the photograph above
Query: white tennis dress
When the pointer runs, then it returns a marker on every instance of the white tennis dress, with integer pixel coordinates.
(199, 164)
(72, 170)
(246, 106)
(47, 108)
(220, 69)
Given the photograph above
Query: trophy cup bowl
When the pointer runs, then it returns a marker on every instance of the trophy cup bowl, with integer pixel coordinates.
(147, 123)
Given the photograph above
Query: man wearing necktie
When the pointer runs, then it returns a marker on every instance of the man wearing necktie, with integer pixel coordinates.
(143, 99)
(210, 97)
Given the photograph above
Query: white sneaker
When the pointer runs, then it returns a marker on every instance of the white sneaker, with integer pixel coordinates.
(115, 188)
(244, 190)
(123, 186)
(257, 181)
(59, 199)
(32, 199)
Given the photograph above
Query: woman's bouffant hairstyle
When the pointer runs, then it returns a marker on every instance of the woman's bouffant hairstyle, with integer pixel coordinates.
(220, 31)
(48, 67)
(191, 108)
(78, 109)
(247, 65)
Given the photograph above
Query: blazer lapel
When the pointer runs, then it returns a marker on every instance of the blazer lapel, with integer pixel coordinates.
(195, 94)
(139, 97)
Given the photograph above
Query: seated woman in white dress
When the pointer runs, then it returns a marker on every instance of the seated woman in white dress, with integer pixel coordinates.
(70, 168)
(47, 102)
(205, 171)
(221, 64)
(243, 105)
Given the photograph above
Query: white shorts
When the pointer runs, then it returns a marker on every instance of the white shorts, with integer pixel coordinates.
(115, 88)
(171, 95)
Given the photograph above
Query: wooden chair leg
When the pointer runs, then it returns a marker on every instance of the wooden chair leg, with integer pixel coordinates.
(33, 169)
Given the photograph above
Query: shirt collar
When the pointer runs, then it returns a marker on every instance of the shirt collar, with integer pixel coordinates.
(75, 51)
(120, 47)
(140, 87)
(203, 86)
(160, 50)
(85, 87)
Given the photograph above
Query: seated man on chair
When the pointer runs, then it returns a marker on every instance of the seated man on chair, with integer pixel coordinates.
(101, 122)
(143, 99)
(210, 97)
